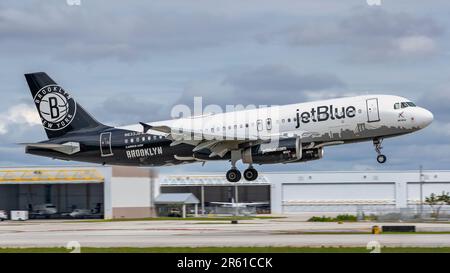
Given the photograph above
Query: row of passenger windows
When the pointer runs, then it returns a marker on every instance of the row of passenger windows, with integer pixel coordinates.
(142, 139)
(405, 104)
(259, 125)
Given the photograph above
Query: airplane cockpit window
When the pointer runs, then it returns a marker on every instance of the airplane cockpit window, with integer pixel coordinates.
(407, 104)
(397, 106)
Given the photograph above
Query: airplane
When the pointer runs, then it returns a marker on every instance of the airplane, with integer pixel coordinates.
(292, 133)
(233, 204)
(240, 208)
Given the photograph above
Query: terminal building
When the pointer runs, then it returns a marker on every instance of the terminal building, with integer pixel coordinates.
(128, 192)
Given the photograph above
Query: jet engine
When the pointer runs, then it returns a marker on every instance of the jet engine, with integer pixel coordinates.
(285, 150)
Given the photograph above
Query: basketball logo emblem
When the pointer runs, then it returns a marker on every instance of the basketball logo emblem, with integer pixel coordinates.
(56, 107)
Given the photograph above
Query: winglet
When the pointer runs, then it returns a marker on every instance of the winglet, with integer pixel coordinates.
(159, 128)
(145, 126)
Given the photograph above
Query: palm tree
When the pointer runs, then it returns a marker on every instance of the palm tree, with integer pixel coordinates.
(437, 201)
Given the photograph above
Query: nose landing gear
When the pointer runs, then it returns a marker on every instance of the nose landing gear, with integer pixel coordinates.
(381, 158)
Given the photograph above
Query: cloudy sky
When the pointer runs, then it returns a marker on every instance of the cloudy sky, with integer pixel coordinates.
(131, 61)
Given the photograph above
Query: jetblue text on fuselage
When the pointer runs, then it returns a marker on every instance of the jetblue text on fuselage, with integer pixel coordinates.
(323, 113)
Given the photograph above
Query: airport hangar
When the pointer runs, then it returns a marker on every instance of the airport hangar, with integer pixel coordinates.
(128, 192)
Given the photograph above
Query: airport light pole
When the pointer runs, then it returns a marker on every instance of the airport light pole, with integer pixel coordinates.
(203, 198)
(236, 194)
(421, 191)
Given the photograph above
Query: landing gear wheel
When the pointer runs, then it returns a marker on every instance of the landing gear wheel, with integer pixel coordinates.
(233, 175)
(381, 159)
(250, 174)
(377, 142)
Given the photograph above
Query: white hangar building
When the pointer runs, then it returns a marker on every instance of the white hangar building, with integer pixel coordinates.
(294, 192)
(126, 192)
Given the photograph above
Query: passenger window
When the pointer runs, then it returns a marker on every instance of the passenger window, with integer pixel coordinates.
(132, 140)
(126, 141)
(289, 120)
(269, 124)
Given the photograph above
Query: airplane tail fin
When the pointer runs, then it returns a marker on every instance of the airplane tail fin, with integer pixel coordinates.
(59, 112)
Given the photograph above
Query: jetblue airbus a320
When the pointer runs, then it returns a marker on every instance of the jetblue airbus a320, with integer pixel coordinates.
(291, 133)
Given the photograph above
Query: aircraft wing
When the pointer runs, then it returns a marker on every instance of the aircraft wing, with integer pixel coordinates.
(240, 204)
(217, 143)
(254, 204)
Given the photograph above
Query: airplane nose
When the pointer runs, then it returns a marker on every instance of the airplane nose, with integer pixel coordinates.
(426, 117)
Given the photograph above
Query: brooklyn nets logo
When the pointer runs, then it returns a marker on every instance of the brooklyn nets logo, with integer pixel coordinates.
(56, 107)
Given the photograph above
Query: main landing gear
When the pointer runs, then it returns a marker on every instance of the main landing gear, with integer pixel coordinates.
(250, 174)
(377, 142)
(234, 175)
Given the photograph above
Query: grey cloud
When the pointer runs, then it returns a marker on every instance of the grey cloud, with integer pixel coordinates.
(264, 85)
(98, 29)
(437, 102)
(369, 34)
(280, 78)
(123, 109)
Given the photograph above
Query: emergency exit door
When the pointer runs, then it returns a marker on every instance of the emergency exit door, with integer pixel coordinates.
(105, 144)
(373, 114)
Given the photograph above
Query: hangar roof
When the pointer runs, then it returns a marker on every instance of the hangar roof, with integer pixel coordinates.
(50, 176)
(176, 198)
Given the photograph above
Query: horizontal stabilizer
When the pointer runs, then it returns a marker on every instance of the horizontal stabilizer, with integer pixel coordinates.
(66, 148)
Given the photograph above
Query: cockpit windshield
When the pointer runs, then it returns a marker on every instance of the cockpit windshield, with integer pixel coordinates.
(404, 104)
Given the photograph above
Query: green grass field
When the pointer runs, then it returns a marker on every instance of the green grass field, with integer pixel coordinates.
(217, 218)
(230, 250)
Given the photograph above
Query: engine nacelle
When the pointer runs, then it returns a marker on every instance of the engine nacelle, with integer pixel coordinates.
(311, 154)
(283, 151)
(286, 150)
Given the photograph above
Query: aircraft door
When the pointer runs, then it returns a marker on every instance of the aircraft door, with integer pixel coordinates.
(373, 114)
(105, 144)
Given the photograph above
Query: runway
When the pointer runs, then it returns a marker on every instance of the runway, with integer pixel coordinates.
(273, 232)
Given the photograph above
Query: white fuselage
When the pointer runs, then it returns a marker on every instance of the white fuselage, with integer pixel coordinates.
(338, 120)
